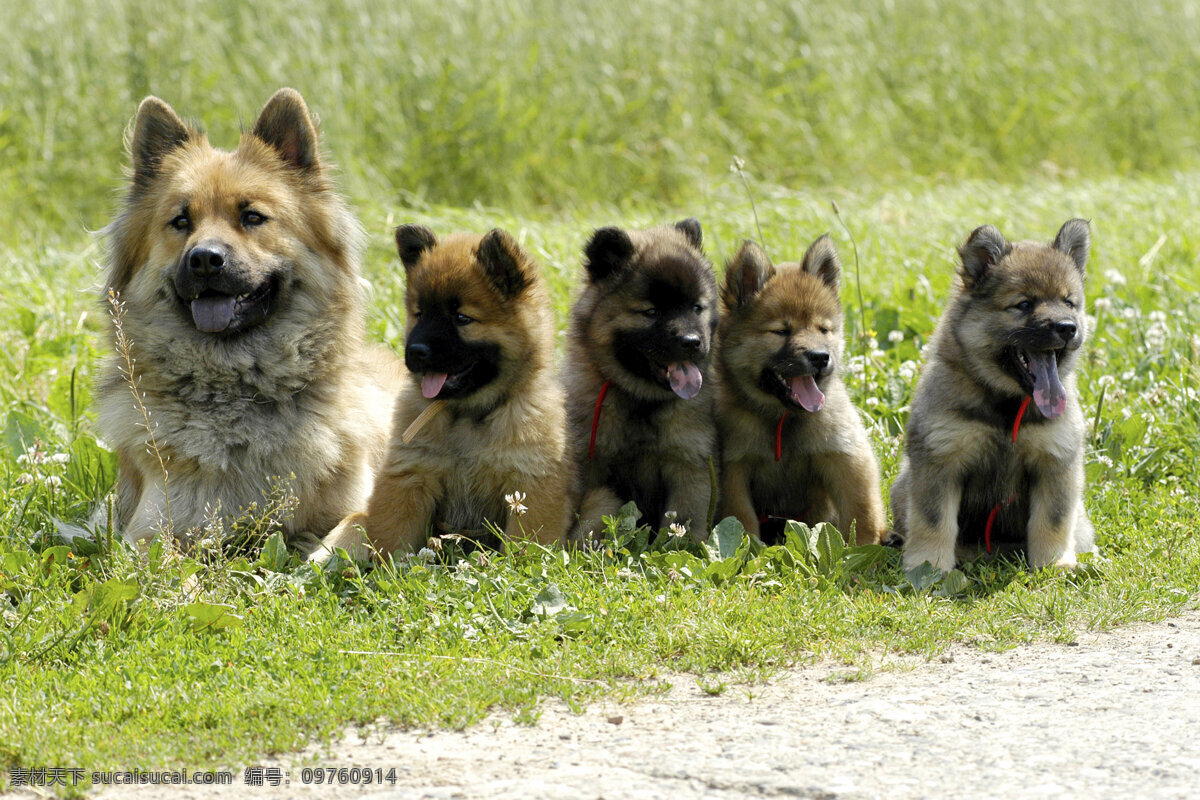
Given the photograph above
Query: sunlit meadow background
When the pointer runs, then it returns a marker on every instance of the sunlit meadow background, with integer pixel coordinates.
(920, 119)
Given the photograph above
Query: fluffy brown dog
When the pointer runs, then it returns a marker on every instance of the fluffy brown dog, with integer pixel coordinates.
(640, 400)
(981, 460)
(793, 445)
(483, 416)
(242, 306)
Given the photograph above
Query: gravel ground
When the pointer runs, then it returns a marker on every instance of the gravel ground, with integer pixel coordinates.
(1113, 715)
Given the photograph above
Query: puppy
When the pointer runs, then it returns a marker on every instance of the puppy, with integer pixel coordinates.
(793, 445)
(995, 441)
(639, 393)
(482, 416)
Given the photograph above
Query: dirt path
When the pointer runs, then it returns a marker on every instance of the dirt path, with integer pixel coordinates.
(1115, 715)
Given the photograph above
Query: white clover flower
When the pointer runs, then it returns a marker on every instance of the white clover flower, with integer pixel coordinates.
(872, 344)
(1130, 313)
(895, 337)
(871, 402)
(1114, 277)
(624, 573)
(671, 514)
(52, 481)
(1127, 376)
(24, 479)
(1104, 461)
(1106, 381)
(1102, 304)
(1156, 337)
(1157, 316)
(677, 530)
(516, 503)
(908, 371)
(426, 555)
(59, 458)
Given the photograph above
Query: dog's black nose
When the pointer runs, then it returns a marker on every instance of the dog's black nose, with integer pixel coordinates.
(418, 353)
(206, 259)
(690, 341)
(1066, 329)
(819, 359)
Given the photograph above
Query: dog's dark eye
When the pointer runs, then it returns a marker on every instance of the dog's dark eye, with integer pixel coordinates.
(650, 312)
(782, 332)
(698, 308)
(461, 319)
(1069, 302)
(182, 222)
(252, 218)
(1024, 305)
(824, 331)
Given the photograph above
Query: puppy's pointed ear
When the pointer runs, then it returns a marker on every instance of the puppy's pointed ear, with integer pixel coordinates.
(607, 253)
(822, 260)
(411, 242)
(285, 124)
(691, 229)
(509, 270)
(1075, 239)
(157, 130)
(746, 275)
(984, 249)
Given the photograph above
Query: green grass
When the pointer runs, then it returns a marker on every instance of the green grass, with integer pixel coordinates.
(541, 103)
(120, 660)
(920, 119)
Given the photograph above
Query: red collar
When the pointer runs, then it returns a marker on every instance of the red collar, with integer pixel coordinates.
(596, 419)
(995, 512)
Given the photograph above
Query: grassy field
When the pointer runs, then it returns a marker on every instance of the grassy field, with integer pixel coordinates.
(920, 120)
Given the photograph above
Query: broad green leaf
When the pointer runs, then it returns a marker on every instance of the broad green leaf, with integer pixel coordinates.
(211, 617)
(725, 538)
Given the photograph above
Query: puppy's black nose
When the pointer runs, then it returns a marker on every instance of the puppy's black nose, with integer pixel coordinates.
(206, 259)
(1066, 329)
(690, 341)
(819, 359)
(418, 353)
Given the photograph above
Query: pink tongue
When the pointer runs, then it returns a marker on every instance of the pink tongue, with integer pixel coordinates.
(806, 393)
(431, 384)
(1048, 391)
(685, 379)
(213, 314)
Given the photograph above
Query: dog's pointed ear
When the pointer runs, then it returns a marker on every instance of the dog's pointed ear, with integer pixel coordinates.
(984, 249)
(822, 260)
(157, 130)
(1075, 239)
(285, 124)
(691, 229)
(509, 270)
(607, 253)
(746, 275)
(411, 242)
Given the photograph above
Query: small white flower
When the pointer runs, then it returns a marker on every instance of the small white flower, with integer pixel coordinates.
(426, 555)
(1157, 316)
(1128, 375)
(59, 458)
(1102, 304)
(1129, 313)
(53, 481)
(624, 573)
(1106, 381)
(24, 479)
(908, 371)
(1105, 461)
(895, 337)
(677, 530)
(1114, 277)
(516, 503)
(671, 515)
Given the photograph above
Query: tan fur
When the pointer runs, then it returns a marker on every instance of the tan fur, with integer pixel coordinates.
(658, 446)
(827, 471)
(298, 397)
(960, 460)
(507, 437)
